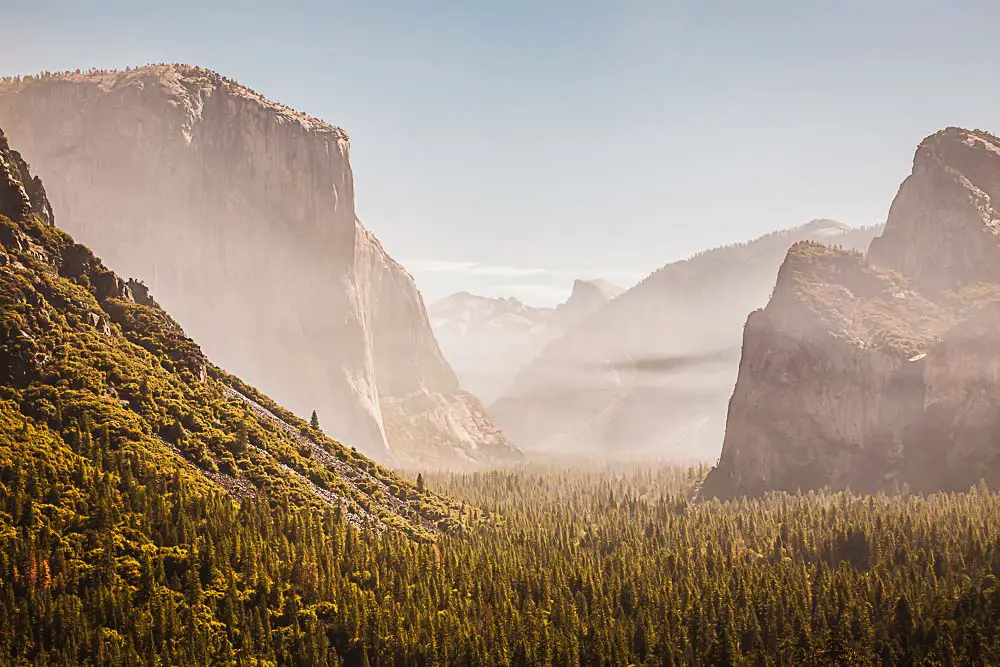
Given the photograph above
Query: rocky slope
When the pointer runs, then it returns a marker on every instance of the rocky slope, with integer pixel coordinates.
(239, 213)
(866, 372)
(650, 373)
(488, 340)
(88, 358)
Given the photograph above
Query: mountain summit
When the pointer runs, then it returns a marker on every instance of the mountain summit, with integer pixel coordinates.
(870, 371)
(240, 214)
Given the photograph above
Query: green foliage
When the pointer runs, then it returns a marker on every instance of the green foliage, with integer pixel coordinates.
(144, 380)
(105, 559)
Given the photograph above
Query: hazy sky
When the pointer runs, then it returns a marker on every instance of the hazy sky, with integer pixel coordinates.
(505, 147)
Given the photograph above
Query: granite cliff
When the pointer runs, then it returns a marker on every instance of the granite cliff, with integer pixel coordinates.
(87, 358)
(489, 340)
(873, 371)
(649, 373)
(239, 213)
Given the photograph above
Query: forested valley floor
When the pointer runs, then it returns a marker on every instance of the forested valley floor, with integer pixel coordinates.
(103, 562)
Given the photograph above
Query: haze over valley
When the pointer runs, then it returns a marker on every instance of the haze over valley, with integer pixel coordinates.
(389, 334)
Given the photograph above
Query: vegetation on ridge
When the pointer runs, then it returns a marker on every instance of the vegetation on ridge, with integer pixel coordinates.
(871, 305)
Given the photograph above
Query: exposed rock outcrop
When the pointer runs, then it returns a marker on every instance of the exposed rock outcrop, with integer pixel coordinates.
(21, 194)
(650, 373)
(489, 340)
(586, 298)
(239, 213)
(866, 372)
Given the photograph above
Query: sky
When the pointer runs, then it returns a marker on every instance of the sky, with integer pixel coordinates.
(508, 147)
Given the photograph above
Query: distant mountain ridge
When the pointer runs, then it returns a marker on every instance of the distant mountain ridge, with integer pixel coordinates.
(239, 212)
(649, 374)
(488, 340)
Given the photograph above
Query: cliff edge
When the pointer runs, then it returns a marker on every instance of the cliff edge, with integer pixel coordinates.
(239, 213)
(868, 372)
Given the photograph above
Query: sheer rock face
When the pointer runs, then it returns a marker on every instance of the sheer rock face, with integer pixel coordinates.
(239, 214)
(867, 372)
(957, 441)
(943, 230)
(650, 373)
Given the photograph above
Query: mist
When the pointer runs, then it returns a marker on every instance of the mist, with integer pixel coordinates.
(647, 374)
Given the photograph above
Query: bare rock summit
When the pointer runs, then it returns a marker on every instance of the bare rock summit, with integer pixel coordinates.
(874, 372)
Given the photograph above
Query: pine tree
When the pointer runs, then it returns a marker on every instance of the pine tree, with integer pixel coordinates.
(314, 420)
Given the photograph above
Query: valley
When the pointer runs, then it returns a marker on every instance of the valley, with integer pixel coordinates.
(781, 451)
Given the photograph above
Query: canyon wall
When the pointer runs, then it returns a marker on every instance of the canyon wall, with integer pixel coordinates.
(238, 213)
(871, 372)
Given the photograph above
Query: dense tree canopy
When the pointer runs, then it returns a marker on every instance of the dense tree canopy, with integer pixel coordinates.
(103, 559)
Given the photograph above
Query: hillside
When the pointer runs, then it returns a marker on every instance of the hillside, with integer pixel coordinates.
(650, 373)
(239, 213)
(488, 341)
(870, 372)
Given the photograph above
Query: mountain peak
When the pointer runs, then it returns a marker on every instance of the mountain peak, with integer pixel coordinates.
(589, 295)
(943, 228)
(865, 371)
(824, 226)
(240, 213)
(605, 287)
(464, 297)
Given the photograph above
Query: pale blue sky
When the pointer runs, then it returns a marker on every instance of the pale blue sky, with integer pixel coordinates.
(505, 147)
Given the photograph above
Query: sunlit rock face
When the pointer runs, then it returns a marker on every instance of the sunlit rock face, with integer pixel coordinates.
(238, 213)
(869, 372)
(943, 230)
(650, 373)
(21, 194)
